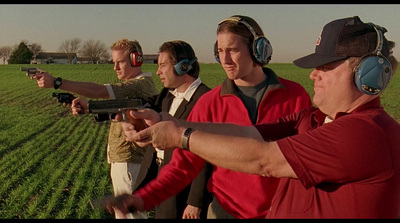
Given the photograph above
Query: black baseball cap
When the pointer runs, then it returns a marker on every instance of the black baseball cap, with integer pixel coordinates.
(343, 38)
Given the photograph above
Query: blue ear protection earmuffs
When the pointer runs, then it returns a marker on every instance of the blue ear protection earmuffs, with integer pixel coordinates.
(373, 71)
(136, 57)
(184, 66)
(260, 48)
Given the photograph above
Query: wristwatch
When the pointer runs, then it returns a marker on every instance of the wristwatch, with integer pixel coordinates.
(57, 82)
(185, 138)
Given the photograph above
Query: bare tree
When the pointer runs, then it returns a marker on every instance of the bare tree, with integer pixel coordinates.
(70, 47)
(35, 48)
(106, 57)
(5, 53)
(94, 50)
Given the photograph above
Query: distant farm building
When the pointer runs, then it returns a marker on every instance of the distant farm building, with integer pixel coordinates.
(65, 58)
(55, 58)
(89, 60)
(150, 58)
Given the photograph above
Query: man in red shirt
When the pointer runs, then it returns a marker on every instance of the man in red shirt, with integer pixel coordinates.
(340, 160)
(251, 94)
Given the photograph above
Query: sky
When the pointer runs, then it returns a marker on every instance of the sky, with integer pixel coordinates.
(292, 29)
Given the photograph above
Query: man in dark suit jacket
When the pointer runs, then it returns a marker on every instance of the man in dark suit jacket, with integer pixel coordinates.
(178, 70)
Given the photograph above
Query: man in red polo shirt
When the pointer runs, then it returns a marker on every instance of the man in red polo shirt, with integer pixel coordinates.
(340, 160)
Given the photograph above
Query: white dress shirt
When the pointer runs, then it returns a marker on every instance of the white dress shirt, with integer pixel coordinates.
(179, 97)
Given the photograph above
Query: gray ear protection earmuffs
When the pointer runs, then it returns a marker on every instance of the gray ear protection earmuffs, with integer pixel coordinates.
(373, 71)
(260, 48)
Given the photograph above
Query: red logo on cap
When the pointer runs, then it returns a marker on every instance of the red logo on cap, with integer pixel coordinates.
(318, 41)
(319, 38)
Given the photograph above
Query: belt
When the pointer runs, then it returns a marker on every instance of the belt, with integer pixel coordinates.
(159, 161)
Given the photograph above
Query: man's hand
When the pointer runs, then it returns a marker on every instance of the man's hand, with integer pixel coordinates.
(150, 117)
(191, 212)
(44, 79)
(79, 106)
(164, 131)
(122, 204)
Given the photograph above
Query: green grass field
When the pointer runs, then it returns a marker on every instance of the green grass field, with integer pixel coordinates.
(53, 163)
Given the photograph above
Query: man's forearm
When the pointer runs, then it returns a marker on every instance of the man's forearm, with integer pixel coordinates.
(238, 148)
(223, 128)
(231, 152)
(86, 89)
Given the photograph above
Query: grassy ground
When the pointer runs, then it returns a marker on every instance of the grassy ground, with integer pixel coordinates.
(52, 163)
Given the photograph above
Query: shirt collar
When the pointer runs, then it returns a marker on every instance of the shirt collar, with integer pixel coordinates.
(147, 74)
(319, 117)
(229, 86)
(189, 92)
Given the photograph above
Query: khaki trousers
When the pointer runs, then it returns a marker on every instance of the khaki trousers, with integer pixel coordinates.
(123, 177)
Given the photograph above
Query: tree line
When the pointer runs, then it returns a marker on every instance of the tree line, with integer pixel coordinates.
(25, 52)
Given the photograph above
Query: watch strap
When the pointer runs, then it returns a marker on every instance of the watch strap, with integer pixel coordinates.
(185, 138)
(57, 82)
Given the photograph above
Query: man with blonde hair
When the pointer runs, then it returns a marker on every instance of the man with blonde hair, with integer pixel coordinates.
(125, 157)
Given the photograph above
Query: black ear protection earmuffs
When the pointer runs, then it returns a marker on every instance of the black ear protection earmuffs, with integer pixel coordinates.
(260, 48)
(373, 71)
(136, 57)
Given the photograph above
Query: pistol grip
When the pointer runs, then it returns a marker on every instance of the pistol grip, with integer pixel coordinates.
(139, 124)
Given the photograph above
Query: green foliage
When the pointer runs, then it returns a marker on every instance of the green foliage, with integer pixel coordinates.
(53, 163)
(22, 55)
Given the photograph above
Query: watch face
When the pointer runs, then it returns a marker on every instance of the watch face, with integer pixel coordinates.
(57, 83)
